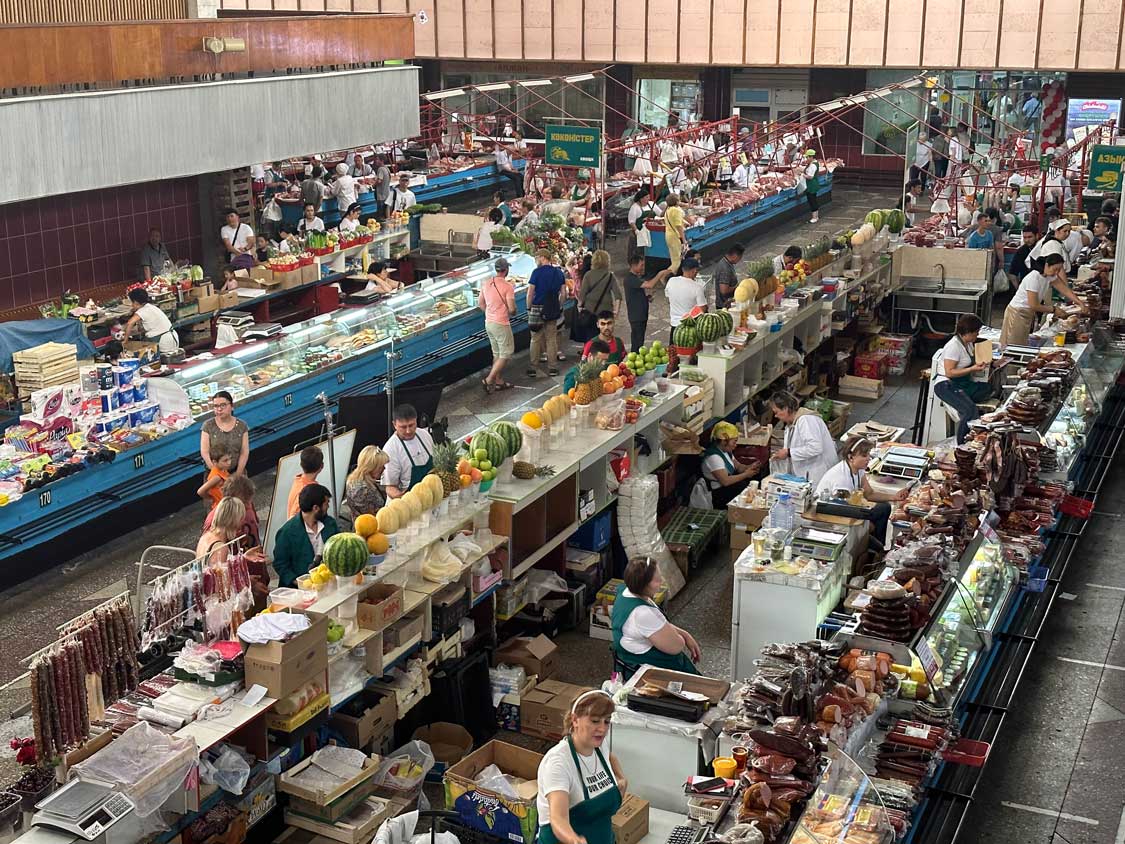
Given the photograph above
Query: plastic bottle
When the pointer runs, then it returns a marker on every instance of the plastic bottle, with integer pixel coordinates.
(781, 514)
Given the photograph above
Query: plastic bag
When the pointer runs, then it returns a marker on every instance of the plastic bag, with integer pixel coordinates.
(230, 771)
(541, 583)
(493, 779)
(400, 830)
(405, 769)
(611, 416)
(464, 548)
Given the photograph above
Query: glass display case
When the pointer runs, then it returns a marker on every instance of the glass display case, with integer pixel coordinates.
(202, 379)
(413, 310)
(451, 295)
(844, 806)
(368, 326)
(1066, 433)
(316, 343)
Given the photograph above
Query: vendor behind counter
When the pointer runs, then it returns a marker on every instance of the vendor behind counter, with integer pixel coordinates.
(722, 476)
(960, 382)
(850, 476)
(641, 633)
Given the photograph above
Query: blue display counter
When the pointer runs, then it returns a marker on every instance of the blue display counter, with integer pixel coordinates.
(737, 224)
(272, 415)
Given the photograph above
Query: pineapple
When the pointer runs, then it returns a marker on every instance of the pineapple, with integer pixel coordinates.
(445, 458)
(588, 383)
(527, 471)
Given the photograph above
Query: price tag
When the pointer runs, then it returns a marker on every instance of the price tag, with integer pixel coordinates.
(928, 659)
(916, 732)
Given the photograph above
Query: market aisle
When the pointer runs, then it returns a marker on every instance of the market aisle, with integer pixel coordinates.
(1058, 773)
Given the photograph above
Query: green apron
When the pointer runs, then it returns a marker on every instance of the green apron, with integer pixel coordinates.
(812, 183)
(592, 819)
(623, 608)
(721, 495)
(418, 470)
(976, 390)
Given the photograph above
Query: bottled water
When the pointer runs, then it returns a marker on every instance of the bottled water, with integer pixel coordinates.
(781, 514)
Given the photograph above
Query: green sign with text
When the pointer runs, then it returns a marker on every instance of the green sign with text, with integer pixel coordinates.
(1105, 168)
(573, 146)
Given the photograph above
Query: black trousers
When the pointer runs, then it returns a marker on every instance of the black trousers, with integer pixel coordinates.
(637, 334)
(516, 178)
(880, 517)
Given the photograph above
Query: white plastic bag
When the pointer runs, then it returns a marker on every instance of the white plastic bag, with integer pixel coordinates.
(229, 772)
(541, 583)
(701, 496)
(400, 830)
(406, 768)
(493, 779)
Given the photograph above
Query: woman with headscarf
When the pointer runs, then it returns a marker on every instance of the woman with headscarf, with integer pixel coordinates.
(723, 476)
(1051, 244)
(344, 188)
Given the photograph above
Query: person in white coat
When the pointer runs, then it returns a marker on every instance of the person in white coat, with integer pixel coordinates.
(344, 188)
(809, 449)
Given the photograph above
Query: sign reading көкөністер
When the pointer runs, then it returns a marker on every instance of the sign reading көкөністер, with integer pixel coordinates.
(1105, 168)
(573, 146)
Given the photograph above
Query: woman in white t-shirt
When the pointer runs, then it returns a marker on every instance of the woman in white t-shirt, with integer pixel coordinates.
(723, 477)
(850, 475)
(641, 633)
(153, 321)
(1033, 297)
(580, 790)
(483, 240)
(957, 380)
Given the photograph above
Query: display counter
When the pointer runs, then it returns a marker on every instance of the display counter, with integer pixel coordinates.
(275, 383)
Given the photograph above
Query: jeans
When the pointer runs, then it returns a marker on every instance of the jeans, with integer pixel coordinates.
(548, 335)
(962, 402)
(637, 334)
(880, 518)
(516, 178)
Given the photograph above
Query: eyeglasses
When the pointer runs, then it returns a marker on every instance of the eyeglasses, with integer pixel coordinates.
(220, 404)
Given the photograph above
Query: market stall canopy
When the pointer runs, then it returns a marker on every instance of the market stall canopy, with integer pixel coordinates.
(17, 336)
(138, 135)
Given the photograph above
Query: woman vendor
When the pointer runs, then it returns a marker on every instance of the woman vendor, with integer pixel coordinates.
(809, 449)
(579, 789)
(1033, 297)
(959, 381)
(641, 633)
(724, 476)
(850, 475)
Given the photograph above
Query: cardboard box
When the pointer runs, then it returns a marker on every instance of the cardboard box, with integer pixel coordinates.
(493, 813)
(746, 518)
(283, 667)
(538, 656)
(982, 351)
(630, 824)
(327, 796)
(404, 631)
(258, 278)
(543, 708)
(740, 537)
(229, 299)
(200, 290)
(380, 606)
(207, 303)
(369, 717)
(450, 743)
(601, 626)
(307, 275)
(871, 365)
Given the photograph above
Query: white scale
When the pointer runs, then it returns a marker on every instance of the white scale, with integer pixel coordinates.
(237, 319)
(824, 545)
(85, 809)
(904, 463)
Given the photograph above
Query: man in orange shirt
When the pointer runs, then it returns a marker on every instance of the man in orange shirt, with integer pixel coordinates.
(312, 461)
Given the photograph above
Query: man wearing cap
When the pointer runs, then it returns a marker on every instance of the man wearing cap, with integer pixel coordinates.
(684, 292)
(506, 169)
(498, 301)
(401, 196)
(812, 184)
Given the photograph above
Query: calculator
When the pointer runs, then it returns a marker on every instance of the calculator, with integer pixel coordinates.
(690, 834)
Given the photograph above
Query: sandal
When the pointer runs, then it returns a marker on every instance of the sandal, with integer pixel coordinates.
(487, 387)
(503, 385)
(531, 373)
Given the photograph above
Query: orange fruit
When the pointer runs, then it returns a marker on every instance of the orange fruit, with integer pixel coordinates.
(614, 370)
(532, 420)
(605, 374)
(377, 543)
(570, 394)
(367, 525)
(466, 479)
(475, 474)
(463, 467)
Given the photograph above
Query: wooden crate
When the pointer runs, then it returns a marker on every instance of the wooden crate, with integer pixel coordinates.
(861, 388)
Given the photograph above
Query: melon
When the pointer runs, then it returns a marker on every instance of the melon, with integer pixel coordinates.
(401, 511)
(686, 336)
(896, 221)
(366, 525)
(492, 444)
(388, 520)
(531, 420)
(743, 293)
(711, 327)
(875, 218)
(513, 439)
(546, 414)
(378, 543)
(437, 490)
(345, 554)
(414, 504)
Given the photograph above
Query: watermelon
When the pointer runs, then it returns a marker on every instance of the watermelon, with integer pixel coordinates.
(346, 554)
(686, 336)
(711, 327)
(492, 444)
(875, 218)
(511, 434)
(728, 321)
(896, 220)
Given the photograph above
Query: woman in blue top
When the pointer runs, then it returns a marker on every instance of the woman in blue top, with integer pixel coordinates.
(981, 238)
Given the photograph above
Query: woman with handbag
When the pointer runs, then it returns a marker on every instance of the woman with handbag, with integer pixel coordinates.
(543, 309)
(599, 291)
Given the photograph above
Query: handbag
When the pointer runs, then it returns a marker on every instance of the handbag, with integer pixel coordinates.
(586, 322)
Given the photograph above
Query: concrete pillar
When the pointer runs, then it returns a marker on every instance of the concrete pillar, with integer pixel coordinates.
(203, 8)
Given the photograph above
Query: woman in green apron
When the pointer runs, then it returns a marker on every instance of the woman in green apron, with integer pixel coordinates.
(722, 477)
(641, 633)
(811, 172)
(579, 789)
(956, 381)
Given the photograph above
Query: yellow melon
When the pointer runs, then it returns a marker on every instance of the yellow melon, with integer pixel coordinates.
(377, 543)
(531, 420)
(366, 525)
(387, 519)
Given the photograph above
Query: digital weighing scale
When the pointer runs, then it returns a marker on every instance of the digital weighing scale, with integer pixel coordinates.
(818, 543)
(236, 319)
(84, 809)
(261, 330)
(905, 463)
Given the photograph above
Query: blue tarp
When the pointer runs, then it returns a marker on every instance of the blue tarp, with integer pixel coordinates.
(17, 336)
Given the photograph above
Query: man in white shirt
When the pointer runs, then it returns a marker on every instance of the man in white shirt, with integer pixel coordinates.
(410, 451)
(401, 196)
(344, 188)
(506, 169)
(684, 292)
(530, 217)
(923, 156)
(745, 175)
(238, 238)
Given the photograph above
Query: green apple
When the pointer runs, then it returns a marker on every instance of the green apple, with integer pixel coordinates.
(474, 463)
(480, 454)
(485, 465)
(656, 344)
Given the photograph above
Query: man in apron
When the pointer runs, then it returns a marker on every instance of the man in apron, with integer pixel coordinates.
(410, 450)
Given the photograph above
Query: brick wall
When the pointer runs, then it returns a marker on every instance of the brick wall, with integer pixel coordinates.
(80, 241)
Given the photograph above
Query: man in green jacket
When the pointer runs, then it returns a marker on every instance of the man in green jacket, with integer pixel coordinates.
(300, 541)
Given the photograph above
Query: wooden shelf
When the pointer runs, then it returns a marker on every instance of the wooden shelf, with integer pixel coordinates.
(527, 564)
